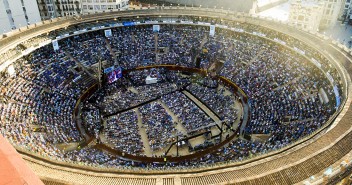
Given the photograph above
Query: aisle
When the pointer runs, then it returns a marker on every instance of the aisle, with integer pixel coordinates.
(147, 150)
(179, 126)
(209, 112)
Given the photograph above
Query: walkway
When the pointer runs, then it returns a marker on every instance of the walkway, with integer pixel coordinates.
(113, 54)
(209, 112)
(147, 150)
(179, 126)
(245, 116)
(239, 108)
(204, 40)
(80, 65)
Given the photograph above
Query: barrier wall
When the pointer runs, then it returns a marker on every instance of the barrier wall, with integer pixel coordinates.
(238, 91)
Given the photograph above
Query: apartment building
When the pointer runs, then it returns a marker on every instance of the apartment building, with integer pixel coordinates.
(346, 11)
(332, 9)
(58, 8)
(93, 6)
(314, 15)
(306, 14)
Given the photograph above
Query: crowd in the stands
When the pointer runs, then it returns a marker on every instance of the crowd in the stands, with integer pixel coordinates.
(289, 97)
(220, 101)
(158, 125)
(189, 114)
(122, 131)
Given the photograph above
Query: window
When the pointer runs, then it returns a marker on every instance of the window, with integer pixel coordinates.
(85, 7)
(301, 17)
(90, 7)
(50, 8)
(103, 7)
(96, 7)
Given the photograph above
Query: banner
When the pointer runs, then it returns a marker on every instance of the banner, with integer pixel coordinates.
(55, 45)
(330, 78)
(108, 70)
(315, 62)
(128, 23)
(156, 28)
(108, 33)
(337, 96)
(212, 30)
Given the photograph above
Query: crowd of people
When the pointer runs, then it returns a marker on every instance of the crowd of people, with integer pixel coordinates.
(91, 119)
(122, 131)
(123, 99)
(289, 97)
(159, 125)
(223, 105)
(189, 114)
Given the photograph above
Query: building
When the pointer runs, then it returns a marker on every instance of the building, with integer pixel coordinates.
(58, 8)
(17, 13)
(314, 15)
(68, 7)
(93, 6)
(46, 8)
(346, 11)
(306, 14)
(331, 12)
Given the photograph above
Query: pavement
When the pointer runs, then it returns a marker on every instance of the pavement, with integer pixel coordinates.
(341, 33)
